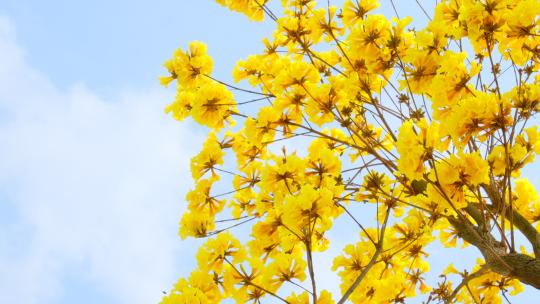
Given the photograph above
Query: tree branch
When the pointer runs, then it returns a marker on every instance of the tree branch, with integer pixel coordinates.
(366, 269)
(520, 266)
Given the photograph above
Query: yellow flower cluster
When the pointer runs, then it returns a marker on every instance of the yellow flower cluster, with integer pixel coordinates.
(411, 135)
(208, 102)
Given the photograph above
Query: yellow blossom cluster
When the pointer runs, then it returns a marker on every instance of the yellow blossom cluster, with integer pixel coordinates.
(411, 135)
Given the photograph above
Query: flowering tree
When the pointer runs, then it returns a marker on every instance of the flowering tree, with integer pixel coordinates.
(413, 136)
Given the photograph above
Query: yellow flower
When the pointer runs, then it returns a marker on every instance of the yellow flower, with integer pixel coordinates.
(323, 166)
(531, 141)
(212, 105)
(196, 224)
(518, 156)
(212, 254)
(201, 286)
(262, 130)
(447, 14)
(354, 11)
(519, 37)
(309, 213)
(323, 23)
(243, 202)
(210, 156)
(286, 267)
(182, 105)
(457, 174)
(526, 199)
(189, 67)
(451, 83)
(285, 177)
(322, 103)
(325, 298)
(421, 69)
(165, 80)
(251, 8)
(302, 298)
(478, 115)
(415, 147)
(188, 295)
(296, 73)
(250, 69)
(369, 36)
(201, 200)
(411, 151)
(526, 98)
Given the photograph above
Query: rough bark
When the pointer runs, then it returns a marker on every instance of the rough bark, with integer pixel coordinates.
(517, 265)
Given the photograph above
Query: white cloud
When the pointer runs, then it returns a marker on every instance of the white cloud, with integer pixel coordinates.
(92, 188)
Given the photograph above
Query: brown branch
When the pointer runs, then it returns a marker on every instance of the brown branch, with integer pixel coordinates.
(519, 221)
(466, 279)
(372, 262)
(517, 265)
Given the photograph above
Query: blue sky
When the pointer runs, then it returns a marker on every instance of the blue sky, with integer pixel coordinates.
(116, 44)
(92, 173)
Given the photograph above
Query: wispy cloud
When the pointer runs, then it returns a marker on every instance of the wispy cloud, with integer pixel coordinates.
(90, 189)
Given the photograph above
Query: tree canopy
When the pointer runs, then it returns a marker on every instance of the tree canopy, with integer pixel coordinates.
(413, 136)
